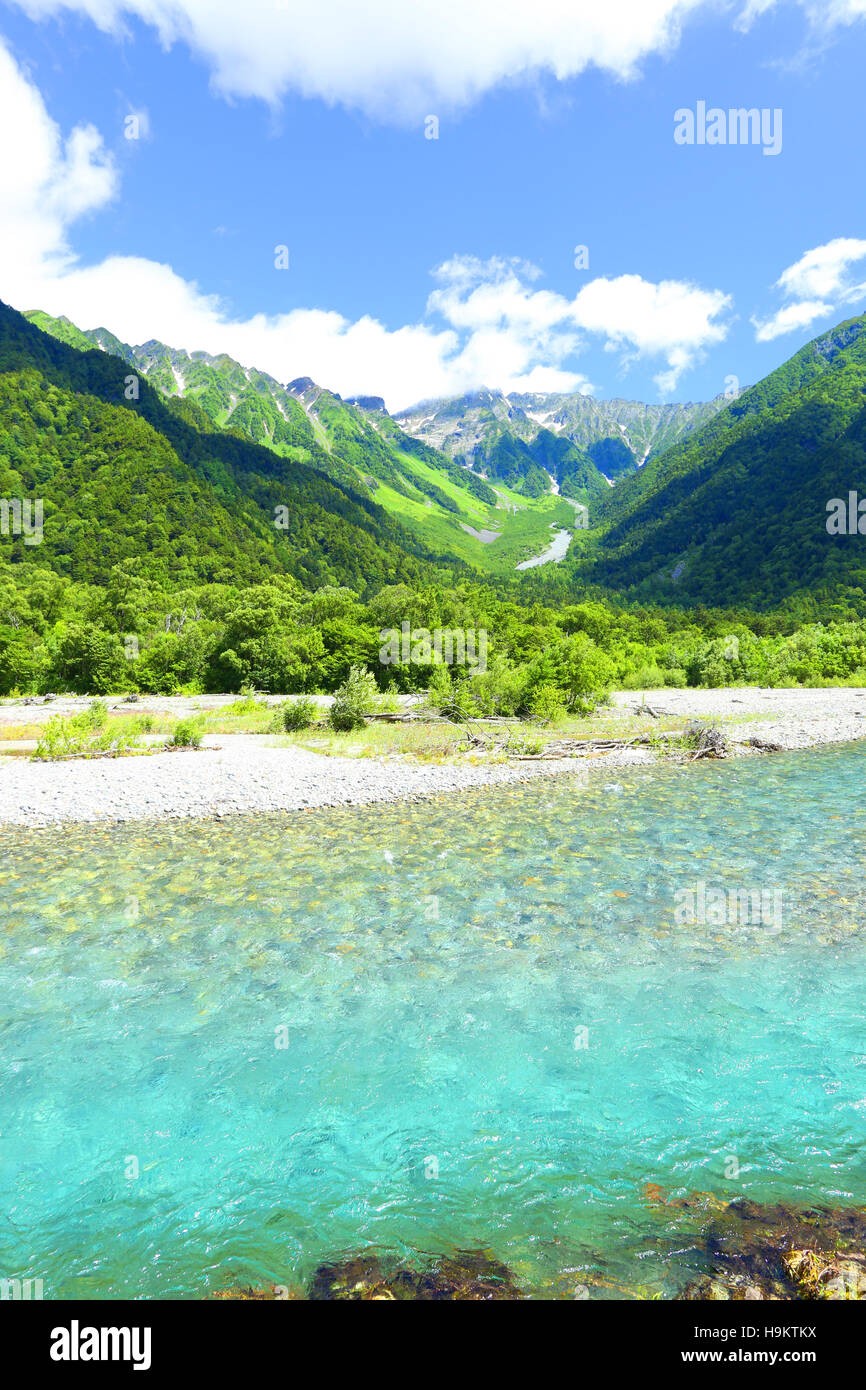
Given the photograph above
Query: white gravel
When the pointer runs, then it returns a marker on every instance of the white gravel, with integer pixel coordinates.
(795, 718)
(243, 773)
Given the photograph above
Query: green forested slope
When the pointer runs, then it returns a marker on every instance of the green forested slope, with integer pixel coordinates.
(152, 479)
(737, 513)
(361, 447)
(160, 567)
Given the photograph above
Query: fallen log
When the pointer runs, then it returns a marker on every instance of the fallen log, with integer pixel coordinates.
(577, 748)
(389, 718)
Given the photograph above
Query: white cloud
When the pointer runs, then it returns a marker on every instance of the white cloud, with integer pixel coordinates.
(821, 14)
(786, 320)
(673, 319)
(823, 270)
(395, 58)
(487, 322)
(818, 284)
(46, 183)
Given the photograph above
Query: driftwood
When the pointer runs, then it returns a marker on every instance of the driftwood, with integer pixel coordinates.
(766, 746)
(580, 747)
(390, 718)
(128, 752)
(706, 741)
(396, 718)
(477, 738)
(697, 741)
(69, 757)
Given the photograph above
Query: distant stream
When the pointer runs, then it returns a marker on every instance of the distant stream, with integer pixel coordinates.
(558, 548)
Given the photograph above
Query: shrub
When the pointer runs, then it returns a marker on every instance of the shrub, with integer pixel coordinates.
(585, 673)
(390, 701)
(355, 698)
(247, 704)
(456, 693)
(298, 714)
(648, 677)
(77, 735)
(545, 703)
(187, 733)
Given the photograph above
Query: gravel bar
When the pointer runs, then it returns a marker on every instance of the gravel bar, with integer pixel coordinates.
(240, 773)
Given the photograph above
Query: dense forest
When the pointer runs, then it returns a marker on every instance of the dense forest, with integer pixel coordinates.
(737, 513)
(177, 555)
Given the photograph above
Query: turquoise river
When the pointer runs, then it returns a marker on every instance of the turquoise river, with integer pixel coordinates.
(230, 1051)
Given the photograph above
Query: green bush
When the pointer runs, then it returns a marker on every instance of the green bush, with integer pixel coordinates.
(390, 701)
(650, 677)
(585, 674)
(80, 735)
(457, 694)
(187, 733)
(299, 714)
(353, 700)
(247, 704)
(545, 703)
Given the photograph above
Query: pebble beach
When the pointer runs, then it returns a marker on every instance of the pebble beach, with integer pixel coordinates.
(241, 773)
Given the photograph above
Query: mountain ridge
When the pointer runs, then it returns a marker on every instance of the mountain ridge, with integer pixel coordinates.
(728, 506)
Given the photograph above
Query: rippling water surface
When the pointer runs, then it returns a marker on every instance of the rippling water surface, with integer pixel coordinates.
(471, 1022)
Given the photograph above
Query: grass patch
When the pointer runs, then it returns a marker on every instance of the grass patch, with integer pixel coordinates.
(91, 733)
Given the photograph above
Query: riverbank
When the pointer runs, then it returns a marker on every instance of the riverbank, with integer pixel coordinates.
(237, 773)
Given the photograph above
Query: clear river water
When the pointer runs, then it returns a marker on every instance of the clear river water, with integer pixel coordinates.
(233, 1050)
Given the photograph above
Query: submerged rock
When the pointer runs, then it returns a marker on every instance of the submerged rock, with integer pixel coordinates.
(655, 1196)
(754, 1237)
(471, 1275)
(359, 1278)
(778, 1251)
(710, 1289)
(822, 1276)
(271, 1294)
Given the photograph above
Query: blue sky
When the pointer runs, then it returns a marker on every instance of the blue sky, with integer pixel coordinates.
(420, 267)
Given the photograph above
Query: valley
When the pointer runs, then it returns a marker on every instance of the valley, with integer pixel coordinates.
(432, 672)
(448, 472)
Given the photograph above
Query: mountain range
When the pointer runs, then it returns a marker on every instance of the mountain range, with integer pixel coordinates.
(737, 512)
(722, 502)
(478, 478)
(548, 433)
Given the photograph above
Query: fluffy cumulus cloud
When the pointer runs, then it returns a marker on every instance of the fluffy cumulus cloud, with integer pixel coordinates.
(487, 322)
(826, 271)
(46, 182)
(672, 320)
(823, 281)
(394, 58)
